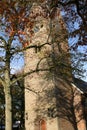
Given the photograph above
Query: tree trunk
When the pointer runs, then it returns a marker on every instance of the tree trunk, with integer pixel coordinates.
(7, 90)
(8, 109)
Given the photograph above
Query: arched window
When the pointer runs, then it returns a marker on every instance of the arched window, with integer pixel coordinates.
(42, 124)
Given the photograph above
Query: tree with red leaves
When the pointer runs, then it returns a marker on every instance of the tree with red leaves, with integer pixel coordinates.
(13, 18)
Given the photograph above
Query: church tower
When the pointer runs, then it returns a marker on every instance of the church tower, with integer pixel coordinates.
(43, 60)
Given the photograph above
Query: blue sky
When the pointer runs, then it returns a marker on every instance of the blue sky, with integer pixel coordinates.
(17, 64)
(72, 25)
(79, 54)
(17, 61)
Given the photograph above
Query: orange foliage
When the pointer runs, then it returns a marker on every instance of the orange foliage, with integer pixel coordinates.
(25, 44)
(13, 17)
(16, 19)
(11, 33)
(21, 32)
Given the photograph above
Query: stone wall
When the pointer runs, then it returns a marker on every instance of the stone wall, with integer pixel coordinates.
(46, 93)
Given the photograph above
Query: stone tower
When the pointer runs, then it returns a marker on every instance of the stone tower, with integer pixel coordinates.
(43, 60)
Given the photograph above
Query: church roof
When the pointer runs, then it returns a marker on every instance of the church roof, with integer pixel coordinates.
(80, 84)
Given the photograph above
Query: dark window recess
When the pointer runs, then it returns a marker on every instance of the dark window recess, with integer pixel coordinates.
(41, 25)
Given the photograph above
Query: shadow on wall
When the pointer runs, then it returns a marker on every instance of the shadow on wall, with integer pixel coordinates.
(59, 102)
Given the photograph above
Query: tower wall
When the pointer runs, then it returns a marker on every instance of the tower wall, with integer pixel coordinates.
(47, 45)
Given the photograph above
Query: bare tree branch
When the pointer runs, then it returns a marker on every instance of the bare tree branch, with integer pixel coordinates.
(28, 73)
(3, 40)
(2, 82)
(30, 47)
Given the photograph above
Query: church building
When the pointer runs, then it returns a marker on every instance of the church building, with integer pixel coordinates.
(50, 94)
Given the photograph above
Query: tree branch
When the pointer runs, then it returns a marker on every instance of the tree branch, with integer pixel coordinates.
(30, 47)
(75, 2)
(28, 73)
(28, 88)
(3, 40)
(78, 11)
(67, 3)
(2, 82)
